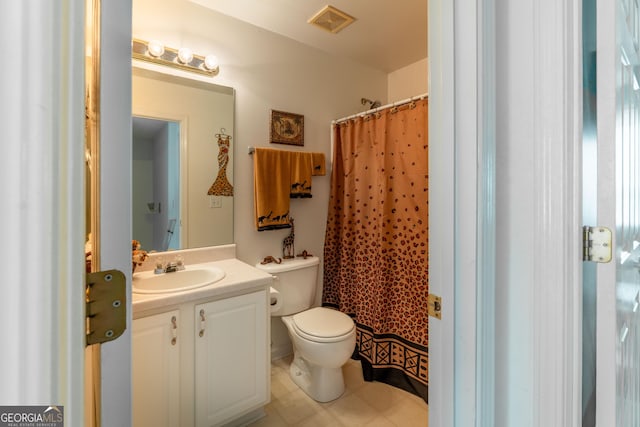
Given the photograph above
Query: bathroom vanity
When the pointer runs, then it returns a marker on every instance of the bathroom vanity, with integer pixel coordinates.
(201, 357)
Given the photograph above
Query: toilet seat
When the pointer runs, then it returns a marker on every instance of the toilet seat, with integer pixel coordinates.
(322, 325)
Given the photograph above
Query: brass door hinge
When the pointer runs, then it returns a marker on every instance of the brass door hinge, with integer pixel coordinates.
(596, 244)
(106, 307)
(434, 306)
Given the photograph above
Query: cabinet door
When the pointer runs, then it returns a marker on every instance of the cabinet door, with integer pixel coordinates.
(155, 370)
(231, 358)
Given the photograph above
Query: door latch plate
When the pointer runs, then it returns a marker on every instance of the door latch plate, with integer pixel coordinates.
(434, 306)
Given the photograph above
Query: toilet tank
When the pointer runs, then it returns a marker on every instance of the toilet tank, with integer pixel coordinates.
(295, 280)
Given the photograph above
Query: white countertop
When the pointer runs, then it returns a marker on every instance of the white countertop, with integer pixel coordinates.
(239, 277)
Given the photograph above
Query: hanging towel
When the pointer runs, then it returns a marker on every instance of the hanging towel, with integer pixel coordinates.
(271, 179)
(319, 167)
(301, 170)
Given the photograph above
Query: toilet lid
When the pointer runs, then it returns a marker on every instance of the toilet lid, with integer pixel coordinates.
(322, 323)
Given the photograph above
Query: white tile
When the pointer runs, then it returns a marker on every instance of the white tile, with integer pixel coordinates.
(380, 395)
(321, 419)
(407, 413)
(282, 384)
(296, 406)
(381, 421)
(352, 411)
(371, 404)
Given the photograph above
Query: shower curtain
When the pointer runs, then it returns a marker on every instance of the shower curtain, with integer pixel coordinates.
(376, 243)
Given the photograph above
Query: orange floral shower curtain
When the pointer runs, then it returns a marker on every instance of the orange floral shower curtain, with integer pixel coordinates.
(376, 243)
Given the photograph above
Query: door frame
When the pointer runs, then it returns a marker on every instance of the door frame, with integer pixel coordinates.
(460, 113)
(462, 139)
(464, 54)
(115, 199)
(557, 314)
(539, 246)
(461, 206)
(538, 252)
(441, 207)
(606, 333)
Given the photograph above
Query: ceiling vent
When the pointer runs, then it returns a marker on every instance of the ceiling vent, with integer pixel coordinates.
(331, 19)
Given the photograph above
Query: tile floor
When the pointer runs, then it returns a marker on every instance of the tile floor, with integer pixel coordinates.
(363, 403)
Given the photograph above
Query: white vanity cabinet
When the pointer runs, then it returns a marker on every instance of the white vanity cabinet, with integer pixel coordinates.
(202, 359)
(156, 370)
(231, 361)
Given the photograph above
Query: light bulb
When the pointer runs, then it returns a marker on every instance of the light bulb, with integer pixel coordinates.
(211, 62)
(185, 55)
(155, 48)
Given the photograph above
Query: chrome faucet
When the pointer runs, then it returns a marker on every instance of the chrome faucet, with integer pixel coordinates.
(170, 267)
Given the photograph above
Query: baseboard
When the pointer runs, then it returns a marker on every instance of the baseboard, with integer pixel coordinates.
(280, 350)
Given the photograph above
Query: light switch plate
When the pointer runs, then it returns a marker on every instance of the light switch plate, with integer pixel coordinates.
(215, 201)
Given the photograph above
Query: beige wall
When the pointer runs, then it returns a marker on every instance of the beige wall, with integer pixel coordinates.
(409, 81)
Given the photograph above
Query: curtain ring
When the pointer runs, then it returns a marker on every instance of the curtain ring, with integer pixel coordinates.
(412, 105)
(394, 110)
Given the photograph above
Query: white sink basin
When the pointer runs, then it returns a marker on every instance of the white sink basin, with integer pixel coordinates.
(147, 282)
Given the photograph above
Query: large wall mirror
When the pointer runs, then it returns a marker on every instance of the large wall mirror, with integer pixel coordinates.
(182, 162)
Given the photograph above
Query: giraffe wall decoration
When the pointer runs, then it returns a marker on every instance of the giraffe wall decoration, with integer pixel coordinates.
(288, 250)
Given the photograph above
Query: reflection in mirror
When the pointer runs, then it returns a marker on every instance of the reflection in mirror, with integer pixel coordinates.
(156, 175)
(176, 159)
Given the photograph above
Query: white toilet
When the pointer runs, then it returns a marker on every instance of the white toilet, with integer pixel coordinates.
(323, 339)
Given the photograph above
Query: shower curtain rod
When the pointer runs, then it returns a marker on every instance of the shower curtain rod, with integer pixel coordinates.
(384, 107)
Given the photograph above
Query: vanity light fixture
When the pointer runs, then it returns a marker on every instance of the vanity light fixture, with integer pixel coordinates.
(211, 62)
(185, 55)
(184, 59)
(155, 48)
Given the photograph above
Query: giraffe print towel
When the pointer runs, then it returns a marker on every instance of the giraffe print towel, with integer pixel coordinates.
(301, 169)
(271, 183)
(303, 166)
(278, 176)
(319, 168)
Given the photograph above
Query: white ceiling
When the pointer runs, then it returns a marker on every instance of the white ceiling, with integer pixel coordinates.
(387, 34)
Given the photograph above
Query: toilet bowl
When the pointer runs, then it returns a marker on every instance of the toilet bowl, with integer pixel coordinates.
(323, 339)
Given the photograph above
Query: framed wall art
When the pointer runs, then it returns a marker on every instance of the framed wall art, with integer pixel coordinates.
(287, 128)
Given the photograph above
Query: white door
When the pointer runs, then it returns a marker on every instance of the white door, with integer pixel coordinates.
(443, 399)
(618, 282)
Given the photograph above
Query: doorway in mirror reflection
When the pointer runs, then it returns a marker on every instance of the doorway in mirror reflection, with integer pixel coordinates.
(156, 189)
